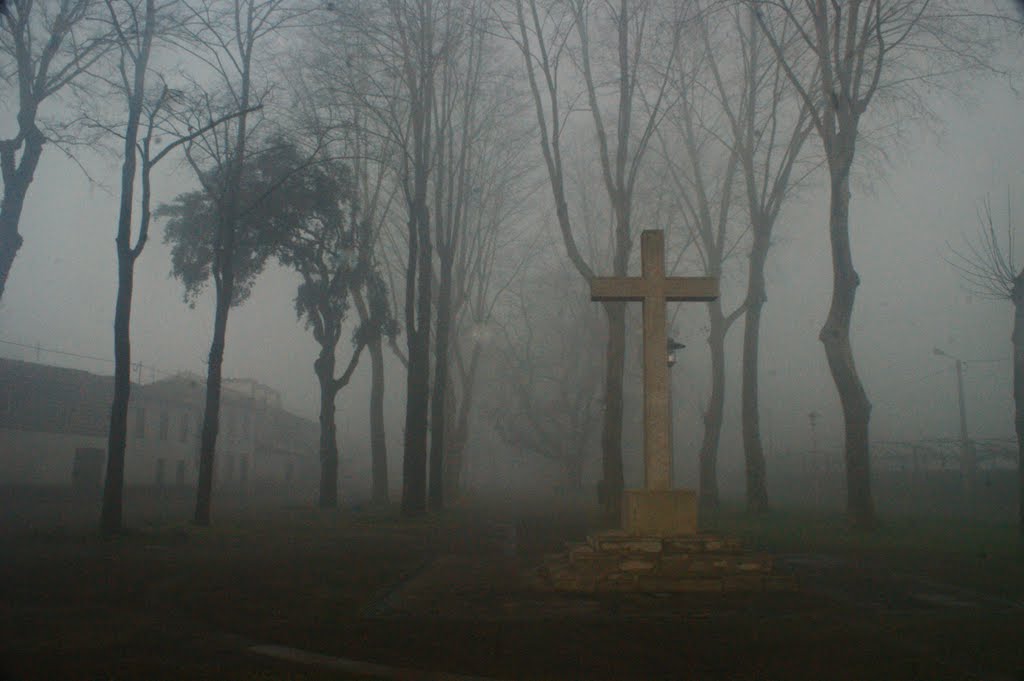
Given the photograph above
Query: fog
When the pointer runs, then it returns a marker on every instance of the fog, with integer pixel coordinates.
(909, 207)
(429, 193)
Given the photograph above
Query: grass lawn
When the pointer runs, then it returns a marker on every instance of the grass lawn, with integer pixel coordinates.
(979, 554)
(171, 601)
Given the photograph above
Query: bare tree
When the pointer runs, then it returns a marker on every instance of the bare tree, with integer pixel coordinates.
(329, 244)
(339, 86)
(225, 35)
(489, 257)
(460, 75)
(46, 48)
(407, 79)
(375, 198)
(989, 269)
(551, 407)
(882, 55)
(477, 181)
(615, 70)
(405, 42)
(702, 164)
(135, 25)
(766, 127)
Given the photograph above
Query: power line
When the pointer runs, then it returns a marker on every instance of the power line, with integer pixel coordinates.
(38, 348)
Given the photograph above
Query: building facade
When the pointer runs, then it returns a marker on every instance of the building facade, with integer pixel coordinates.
(54, 423)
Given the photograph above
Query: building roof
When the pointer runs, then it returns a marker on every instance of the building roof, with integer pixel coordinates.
(47, 398)
(36, 397)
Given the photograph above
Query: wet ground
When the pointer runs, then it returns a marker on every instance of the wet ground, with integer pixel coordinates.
(285, 592)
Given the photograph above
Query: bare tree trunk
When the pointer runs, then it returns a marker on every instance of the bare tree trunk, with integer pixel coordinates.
(716, 408)
(611, 489)
(438, 402)
(378, 436)
(1018, 389)
(420, 84)
(211, 410)
(458, 434)
(324, 367)
(414, 463)
(835, 336)
(16, 182)
(112, 511)
(753, 450)
(111, 515)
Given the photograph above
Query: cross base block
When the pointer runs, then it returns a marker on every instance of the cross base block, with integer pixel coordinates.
(659, 513)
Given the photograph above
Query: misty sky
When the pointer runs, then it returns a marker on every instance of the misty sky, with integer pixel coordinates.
(61, 295)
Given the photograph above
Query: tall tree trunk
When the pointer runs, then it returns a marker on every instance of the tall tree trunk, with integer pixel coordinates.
(324, 367)
(211, 409)
(224, 279)
(716, 408)
(16, 182)
(453, 448)
(835, 336)
(753, 450)
(438, 401)
(1018, 390)
(112, 512)
(414, 463)
(458, 433)
(378, 436)
(611, 430)
(111, 515)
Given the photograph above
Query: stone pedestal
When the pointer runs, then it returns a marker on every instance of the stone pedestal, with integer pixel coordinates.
(659, 513)
(617, 561)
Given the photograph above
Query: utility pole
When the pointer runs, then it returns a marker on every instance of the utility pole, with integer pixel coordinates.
(968, 466)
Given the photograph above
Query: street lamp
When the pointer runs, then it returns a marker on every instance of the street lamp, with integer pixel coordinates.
(966, 455)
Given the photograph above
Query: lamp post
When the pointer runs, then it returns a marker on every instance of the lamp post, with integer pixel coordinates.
(673, 345)
(967, 463)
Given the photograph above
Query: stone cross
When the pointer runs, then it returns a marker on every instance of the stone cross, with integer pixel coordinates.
(654, 289)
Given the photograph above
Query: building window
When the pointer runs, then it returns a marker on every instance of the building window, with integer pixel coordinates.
(164, 425)
(183, 433)
(245, 423)
(140, 422)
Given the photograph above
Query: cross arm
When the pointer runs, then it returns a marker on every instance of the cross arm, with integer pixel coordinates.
(618, 288)
(691, 288)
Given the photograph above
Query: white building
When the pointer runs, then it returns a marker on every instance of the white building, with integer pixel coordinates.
(54, 423)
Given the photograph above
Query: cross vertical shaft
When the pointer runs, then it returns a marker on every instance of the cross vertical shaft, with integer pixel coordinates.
(654, 289)
(657, 444)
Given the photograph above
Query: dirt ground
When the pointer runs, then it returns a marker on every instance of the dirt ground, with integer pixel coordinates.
(375, 596)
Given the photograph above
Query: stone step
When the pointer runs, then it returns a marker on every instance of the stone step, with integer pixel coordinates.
(614, 560)
(717, 564)
(624, 582)
(621, 542)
